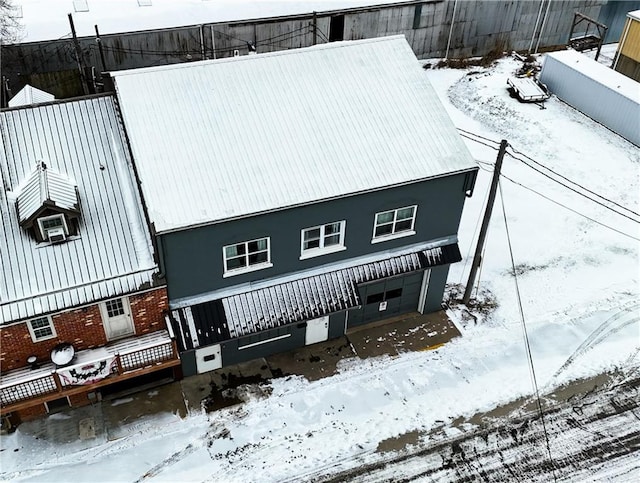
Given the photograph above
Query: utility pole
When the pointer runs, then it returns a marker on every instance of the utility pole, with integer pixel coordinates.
(485, 223)
(315, 28)
(79, 58)
(99, 42)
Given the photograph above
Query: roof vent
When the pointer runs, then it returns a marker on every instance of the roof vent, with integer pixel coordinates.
(56, 235)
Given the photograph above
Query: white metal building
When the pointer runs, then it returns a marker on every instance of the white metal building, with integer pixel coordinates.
(597, 91)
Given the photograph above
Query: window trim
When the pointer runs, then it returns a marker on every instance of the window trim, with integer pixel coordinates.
(322, 250)
(43, 231)
(247, 268)
(32, 330)
(394, 234)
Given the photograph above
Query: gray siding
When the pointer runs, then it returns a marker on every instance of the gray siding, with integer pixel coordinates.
(437, 281)
(232, 354)
(193, 259)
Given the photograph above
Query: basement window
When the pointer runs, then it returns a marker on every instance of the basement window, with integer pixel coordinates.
(41, 329)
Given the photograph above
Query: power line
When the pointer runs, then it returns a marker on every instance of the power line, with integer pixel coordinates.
(532, 370)
(479, 142)
(566, 179)
(497, 143)
(571, 209)
(468, 134)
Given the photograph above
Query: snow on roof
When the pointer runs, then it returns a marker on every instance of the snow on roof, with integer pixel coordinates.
(111, 256)
(47, 19)
(225, 138)
(600, 73)
(30, 95)
(44, 185)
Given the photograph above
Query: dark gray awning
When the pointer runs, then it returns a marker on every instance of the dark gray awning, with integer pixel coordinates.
(297, 300)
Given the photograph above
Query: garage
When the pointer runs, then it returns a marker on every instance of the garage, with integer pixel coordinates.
(385, 298)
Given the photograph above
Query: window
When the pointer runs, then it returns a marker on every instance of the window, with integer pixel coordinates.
(41, 329)
(394, 223)
(247, 256)
(114, 307)
(48, 223)
(319, 240)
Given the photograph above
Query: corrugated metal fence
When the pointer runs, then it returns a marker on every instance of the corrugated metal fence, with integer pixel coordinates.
(479, 26)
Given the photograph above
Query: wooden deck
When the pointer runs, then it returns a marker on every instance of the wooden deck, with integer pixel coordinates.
(128, 358)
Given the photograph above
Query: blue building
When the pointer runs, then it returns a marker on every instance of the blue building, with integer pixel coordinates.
(294, 195)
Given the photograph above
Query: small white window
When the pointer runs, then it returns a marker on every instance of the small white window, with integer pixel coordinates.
(322, 239)
(41, 329)
(394, 224)
(51, 223)
(247, 256)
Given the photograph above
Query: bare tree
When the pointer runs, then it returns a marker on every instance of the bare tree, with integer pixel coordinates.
(10, 27)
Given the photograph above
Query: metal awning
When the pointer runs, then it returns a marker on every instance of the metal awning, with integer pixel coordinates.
(297, 300)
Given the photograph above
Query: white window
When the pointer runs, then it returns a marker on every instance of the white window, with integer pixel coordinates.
(41, 329)
(319, 240)
(394, 223)
(50, 223)
(247, 256)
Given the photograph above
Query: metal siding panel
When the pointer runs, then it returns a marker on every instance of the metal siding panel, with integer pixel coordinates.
(598, 92)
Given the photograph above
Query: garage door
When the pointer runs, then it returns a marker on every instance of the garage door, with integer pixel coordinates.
(386, 298)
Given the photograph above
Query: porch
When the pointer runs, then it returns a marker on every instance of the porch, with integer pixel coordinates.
(89, 370)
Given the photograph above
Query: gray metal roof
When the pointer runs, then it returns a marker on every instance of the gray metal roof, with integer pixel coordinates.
(111, 255)
(219, 139)
(45, 185)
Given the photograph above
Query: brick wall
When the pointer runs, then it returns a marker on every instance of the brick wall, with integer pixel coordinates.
(147, 310)
(81, 327)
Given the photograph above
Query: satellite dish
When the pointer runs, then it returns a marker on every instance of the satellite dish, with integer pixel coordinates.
(62, 354)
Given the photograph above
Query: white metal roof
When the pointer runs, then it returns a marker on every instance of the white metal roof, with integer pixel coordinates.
(42, 185)
(634, 15)
(30, 95)
(219, 139)
(598, 72)
(112, 254)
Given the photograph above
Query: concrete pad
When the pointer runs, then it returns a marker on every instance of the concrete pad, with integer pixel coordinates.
(120, 413)
(409, 332)
(312, 362)
(234, 384)
(69, 426)
(195, 389)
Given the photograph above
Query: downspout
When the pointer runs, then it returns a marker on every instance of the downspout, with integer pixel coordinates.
(544, 22)
(213, 41)
(453, 18)
(202, 53)
(533, 34)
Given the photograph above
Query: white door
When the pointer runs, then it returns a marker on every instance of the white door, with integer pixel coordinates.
(317, 330)
(116, 317)
(208, 358)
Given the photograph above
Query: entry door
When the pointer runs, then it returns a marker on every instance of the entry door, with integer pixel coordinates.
(116, 317)
(317, 330)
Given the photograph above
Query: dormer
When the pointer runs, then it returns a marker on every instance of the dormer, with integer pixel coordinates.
(48, 204)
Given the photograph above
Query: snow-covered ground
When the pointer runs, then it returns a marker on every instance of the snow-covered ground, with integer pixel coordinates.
(578, 281)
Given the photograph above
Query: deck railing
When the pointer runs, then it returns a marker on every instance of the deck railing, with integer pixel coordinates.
(123, 357)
